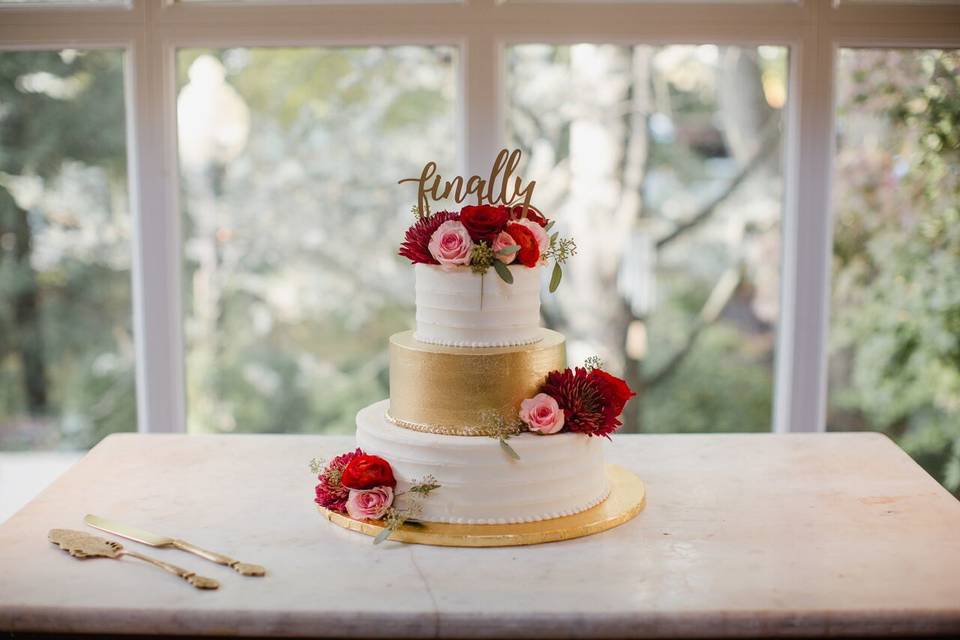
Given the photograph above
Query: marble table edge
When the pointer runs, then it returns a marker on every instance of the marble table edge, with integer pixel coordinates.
(645, 624)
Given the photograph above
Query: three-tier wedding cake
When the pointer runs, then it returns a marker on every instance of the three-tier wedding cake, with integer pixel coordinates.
(484, 416)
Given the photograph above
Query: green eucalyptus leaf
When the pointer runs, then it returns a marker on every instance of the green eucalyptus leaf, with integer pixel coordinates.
(503, 272)
(549, 225)
(383, 535)
(510, 451)
(553, 238)
(506, 251)
(555, 277)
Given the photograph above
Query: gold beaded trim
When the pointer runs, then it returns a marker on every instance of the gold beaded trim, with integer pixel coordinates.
(492, 430)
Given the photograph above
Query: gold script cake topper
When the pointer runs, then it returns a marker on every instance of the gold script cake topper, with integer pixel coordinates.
(493, 190)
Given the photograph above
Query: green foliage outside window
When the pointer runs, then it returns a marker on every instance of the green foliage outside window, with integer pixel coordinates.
(66, 347)
(895, 348)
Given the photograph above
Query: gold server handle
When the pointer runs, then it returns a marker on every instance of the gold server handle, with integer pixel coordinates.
(200, 582)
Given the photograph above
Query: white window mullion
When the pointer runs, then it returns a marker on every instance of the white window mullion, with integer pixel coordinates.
(151, 113)
(481, 101)
(800, 402)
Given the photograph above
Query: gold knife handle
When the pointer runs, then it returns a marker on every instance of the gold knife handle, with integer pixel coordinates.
(199, 582)
(243, 568)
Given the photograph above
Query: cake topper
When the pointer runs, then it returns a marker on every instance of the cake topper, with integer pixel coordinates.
(502, 230)
(492, 190)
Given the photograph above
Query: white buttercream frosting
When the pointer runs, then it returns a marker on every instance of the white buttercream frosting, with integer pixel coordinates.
(556, 475)
(459, 308)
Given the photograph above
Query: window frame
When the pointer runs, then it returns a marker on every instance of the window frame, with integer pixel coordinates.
(151, 31)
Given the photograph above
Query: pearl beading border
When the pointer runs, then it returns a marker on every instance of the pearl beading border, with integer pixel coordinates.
(548, 516)
(444, 431)
(477, 345)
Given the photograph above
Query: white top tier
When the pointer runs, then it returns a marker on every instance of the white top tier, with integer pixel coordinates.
(459, 308)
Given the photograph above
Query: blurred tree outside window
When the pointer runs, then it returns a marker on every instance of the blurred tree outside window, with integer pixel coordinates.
(66, 344)
(895, 324)
(664, 164)
(292, 219)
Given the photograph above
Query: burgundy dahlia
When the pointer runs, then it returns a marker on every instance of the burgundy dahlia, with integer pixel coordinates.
(416, 241)
(331, 494)
(585, 407)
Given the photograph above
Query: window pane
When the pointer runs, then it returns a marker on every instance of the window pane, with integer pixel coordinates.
(663, 164)
(895, 326)
(290, 159)
(66, 345)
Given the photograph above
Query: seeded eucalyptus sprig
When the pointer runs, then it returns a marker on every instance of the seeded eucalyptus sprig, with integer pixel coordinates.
(560, 250)
(317, 465)
(593, 362)
(425, 485)
(396, 517)
(501, 430)
(419, 215)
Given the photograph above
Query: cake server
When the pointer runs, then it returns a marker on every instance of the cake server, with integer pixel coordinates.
(83, 545)
(145, 537)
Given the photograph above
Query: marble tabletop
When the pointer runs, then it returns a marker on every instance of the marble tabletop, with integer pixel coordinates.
(743, 535)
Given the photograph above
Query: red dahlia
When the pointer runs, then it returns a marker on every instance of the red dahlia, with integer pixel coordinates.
(331, 494)
(417, 238)
(585, 409)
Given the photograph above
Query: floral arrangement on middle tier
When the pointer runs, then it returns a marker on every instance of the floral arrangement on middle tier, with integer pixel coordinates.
(479, 237)
(581, 400)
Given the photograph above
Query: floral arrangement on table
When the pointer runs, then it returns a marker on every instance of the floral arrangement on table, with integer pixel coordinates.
(581, 400)
(363, 487)
(485, 236)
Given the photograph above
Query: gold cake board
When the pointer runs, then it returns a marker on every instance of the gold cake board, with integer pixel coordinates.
(627, 498)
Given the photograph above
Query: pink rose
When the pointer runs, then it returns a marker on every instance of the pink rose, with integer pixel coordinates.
(501, 242)
(541, 413)
(450, 244)
(543, 238)
(369, 504)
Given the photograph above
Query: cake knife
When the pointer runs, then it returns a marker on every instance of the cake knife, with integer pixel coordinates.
(145, 537)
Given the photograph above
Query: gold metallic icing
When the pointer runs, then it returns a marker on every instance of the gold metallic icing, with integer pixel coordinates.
(470, 391)
(627, 498)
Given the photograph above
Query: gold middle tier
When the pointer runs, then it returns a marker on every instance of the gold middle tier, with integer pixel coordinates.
(466, 391)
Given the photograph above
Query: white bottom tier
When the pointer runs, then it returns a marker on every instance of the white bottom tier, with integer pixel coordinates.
(556, 475)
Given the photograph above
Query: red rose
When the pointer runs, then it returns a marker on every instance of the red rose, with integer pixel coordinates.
(484, 222)
(366, 472)
(529, 252)
(533, 214)
(615, 391)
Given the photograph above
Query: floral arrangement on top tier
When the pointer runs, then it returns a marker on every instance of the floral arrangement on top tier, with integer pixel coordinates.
(581, 400)
(363, 487)
(495, 232)
(485, 236)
